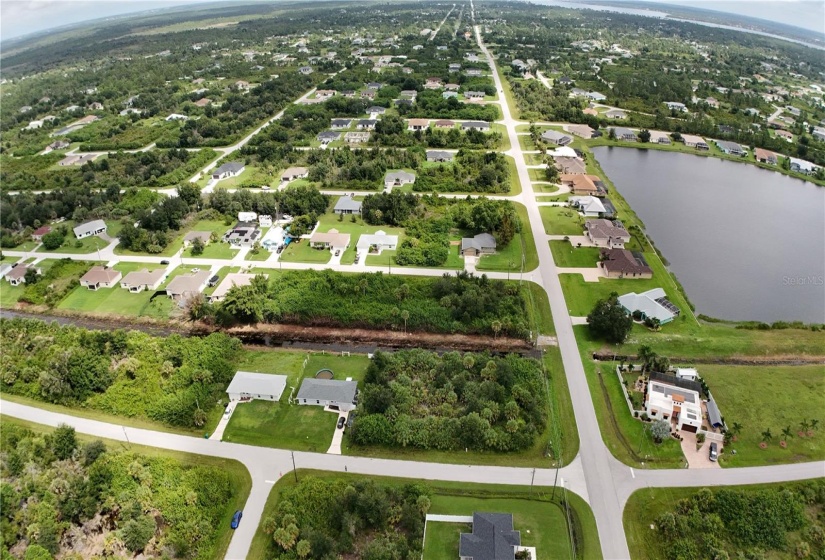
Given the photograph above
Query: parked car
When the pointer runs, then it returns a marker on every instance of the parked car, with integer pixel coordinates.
(236, 519)
(265, 188)
(337, 252)
(341, 421)
(227, 411)
(164, 261)
(714, 451)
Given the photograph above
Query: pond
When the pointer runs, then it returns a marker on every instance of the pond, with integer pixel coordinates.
(746, 243)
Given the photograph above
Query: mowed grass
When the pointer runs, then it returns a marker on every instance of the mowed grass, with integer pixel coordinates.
(116, 300)
(300, 251)
(9, 295)
(567, 255)
(217, 226)
(537, 510)
(561, 220)
(441, 539)
(769, 397)
(70, 245)
(217, 250)
(355, 229)
(281, 425)
(509, 258)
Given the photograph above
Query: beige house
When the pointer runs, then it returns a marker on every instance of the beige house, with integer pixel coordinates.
(100, 277)
(17, 275)
(604, 233)
(187, 284)
(190, 237)
(143, 279)
(331, 240)
(292, 173)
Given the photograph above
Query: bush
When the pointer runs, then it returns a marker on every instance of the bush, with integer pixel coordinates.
(53, 240)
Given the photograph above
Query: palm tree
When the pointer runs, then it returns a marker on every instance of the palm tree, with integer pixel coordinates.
(767, 435)
(787, 433)
(646, 355)
(736, 427)
(805, 425)
(364, 284)
(405, 315)
(496, 326)
(814, 423)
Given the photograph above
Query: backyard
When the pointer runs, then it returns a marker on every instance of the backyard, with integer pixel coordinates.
(441, 539)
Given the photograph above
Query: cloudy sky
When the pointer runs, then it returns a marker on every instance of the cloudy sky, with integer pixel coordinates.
(19, 17)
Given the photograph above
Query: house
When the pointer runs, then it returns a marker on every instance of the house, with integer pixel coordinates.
(398, 179)
(569, 165)
(331, 240)
(473, 72)
(621, 263)
(242, 85)
(580, 184)
(624, 134)
(95, 227)
(766, 156)
(366, 124)
(408, 94)
(565, 80)
(76, 160)
(581, 130)
(433, 83)
(325, 93)
(232, 280)
(176, 117)
(346, 205)
(245, 233)
(652, 304)
(17, 275)
(328, 136)
(417, 124)
(96, 106)
(595, 96)
(265, 220)
(139, 280)
(731, 148)
(606, 233)
(247, 216)
(203, 102)
(454, 67)
(358, 137)
(692, 141)
(493, 538)
(248, 385)
(204, 236)
(689, 374)
(712, 102)
(440, 156)
(338, 124)
(230, 169)
(818, 133)
(615, 114)
(59, 145)
(444, 123)
(376, 242)
(589, 206)
(332, 393)
(368, 94)
(474, 95)
(784, 134)
(273, 239)
(675, 400)
(452, 87)
(292, 173)
(449, 95)
(676, 106)
(374, 86)
(375, 110)
(100, 277)
(38, 234)
(305, 70)
(659, 137)
(475, 125)
(557, 138)
(802, 166)
(187, 285)
(481, 244)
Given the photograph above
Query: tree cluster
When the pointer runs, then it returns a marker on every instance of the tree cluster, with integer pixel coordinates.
(484, 172)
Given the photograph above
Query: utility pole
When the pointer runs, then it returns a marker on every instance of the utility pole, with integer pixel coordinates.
(555, 482)
(127, 435)
(532, 479)
(294, 470)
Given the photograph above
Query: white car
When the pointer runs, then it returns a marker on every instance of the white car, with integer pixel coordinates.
(265, 188)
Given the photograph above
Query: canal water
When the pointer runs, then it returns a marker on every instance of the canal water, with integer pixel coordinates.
(746, 243)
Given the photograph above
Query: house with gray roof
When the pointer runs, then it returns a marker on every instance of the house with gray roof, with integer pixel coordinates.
(624, 134)
(398, 179)
(230, 169)
(440, 155)
(95, 227)
(346, 205)
(731, 148)
(328, 136)
(556, 137)
(493, 538)
(475, 125)
(481, 244)
(338, 124)
(249, 385)
(652, 304)
(332, 393)
(615, 114)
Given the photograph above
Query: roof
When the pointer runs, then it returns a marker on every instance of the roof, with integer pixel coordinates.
(621, 132)
(328, 390)
(346, 203)
(670, 379)
(94, 225)
(731, 146)
(399, 177)
(570, 165)
(232, 280)
(186, 283)
(475, 124)
(257, 384)
(600, 228)
(693, 139)
(444, 122)
(202, 235)
(231, 167)
(493, 538)
(100, 274)
(439, 154)
(418, 122)
(765, 154)
(367, 240)
(334, 239)
(341, 122)
(478, 242)
(42, 230)
(18, 272)
(653, 303)
(292, 171)
(714, 415)
(555, 136)
(615, 112)
(625, 262)
(329, 134)
(582, 130)
(143, 277)
(588, 204)
(376, 109)
(580, 183)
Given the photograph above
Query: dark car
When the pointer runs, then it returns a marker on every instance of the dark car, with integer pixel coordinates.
(164, 261)
(236, 519)
(714, 451)
(341, 421)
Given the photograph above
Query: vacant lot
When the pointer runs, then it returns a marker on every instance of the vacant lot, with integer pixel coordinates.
(566, 255)
(441, 539)
(286, 426)
(561, 220)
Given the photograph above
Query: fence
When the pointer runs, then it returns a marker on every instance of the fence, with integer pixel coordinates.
(633, 412)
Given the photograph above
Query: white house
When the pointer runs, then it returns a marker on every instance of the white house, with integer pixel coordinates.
(230, 169)
(247, 216)
(652, 304)
(274, 238)
(398, 179)
(589, 206)
(675, 400)
(265, 220)
(292, 173)
(248, 385)
(88, 229)
(332, 393)
(376, 242)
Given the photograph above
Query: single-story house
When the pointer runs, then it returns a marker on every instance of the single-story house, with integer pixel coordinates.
(731, 148)
(444, 123)
(305, 70)
(346, 205)
(331, 393)
(433, 83)
(398, 179)
(376, 110)
(247, 216)
(621, 263)
(557, 138)
(248, 385)
(325, 93)
(357, 137)
(606, 233)
(475, 125)
(331, 240)
(245, 233)
(328, 136)
(439, 155)
(659, 137)
(784, 134)
(615, 114)
(274, 238)
(766, 156)
(374, 86)
(473, 72)
(38, 234)
(693, 141)
(338, 124)
(595, 96)
(95, 227)
(652, 304)
(59, 145)
(481, 244)
(454, 67)
(230, 169)
(676, 106)
(75, 159)
(449, 94)
(409, 94)
(376, 242)
(186, 285)
(581, 130)
(625, 134)
(417, 124)
(17, 275)
(474, 95)
(580, 185)
(367, 124)
(265, 220)
(100, 277)
(802, 166)
(242, 85)
(570, 165)
(190, 237)
(675, 400)
(493, 538)
(452, 87)
(589, 206)
(139, 280)
(231, 280)
(292, 173)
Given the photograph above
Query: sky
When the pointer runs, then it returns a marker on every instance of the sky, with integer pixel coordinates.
(20, 17)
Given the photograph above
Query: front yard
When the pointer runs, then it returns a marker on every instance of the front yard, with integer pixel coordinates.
(561, 220)
(300, 251)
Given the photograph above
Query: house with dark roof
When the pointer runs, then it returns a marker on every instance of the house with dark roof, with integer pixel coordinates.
(332, 393)
(606, 233)
(346, 205)
(481, 244)
(338, 124)
(493, 538)
(328, 136)
(230, 169)
(556, 137)
(475, 125)
(38, 234)
(621, 263)
(731, 148)
(440, 156)
(624, 134)
(765, 156)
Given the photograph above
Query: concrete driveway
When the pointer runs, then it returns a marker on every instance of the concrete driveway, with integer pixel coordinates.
(697, 459)
(338, 436)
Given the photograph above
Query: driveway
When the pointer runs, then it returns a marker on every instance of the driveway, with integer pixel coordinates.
(697, 459)
(338, 436)
(224, 422)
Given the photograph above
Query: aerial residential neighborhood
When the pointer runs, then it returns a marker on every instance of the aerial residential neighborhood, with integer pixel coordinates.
(476, 280)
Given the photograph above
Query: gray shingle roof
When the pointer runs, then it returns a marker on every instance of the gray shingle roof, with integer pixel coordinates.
(231, 167)
(479, 242)
(493, 538)
(328, 390)
(346, 203)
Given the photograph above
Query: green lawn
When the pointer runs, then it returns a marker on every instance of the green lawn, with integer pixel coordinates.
(70, 245)
(300, 251)
(769, 397)
(561, 220)
(526, 143)
(281, 425)
(509, 258)
(567, 255)
(537, 174)
(218, 226)
(441, 539)
(262, 255)
(538, 511)
(218, 250)
(9, 295)
(387, 258)
(251, 177)
(355, 228)
(505, 138)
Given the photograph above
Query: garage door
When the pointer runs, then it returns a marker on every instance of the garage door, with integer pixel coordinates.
(689, 428)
